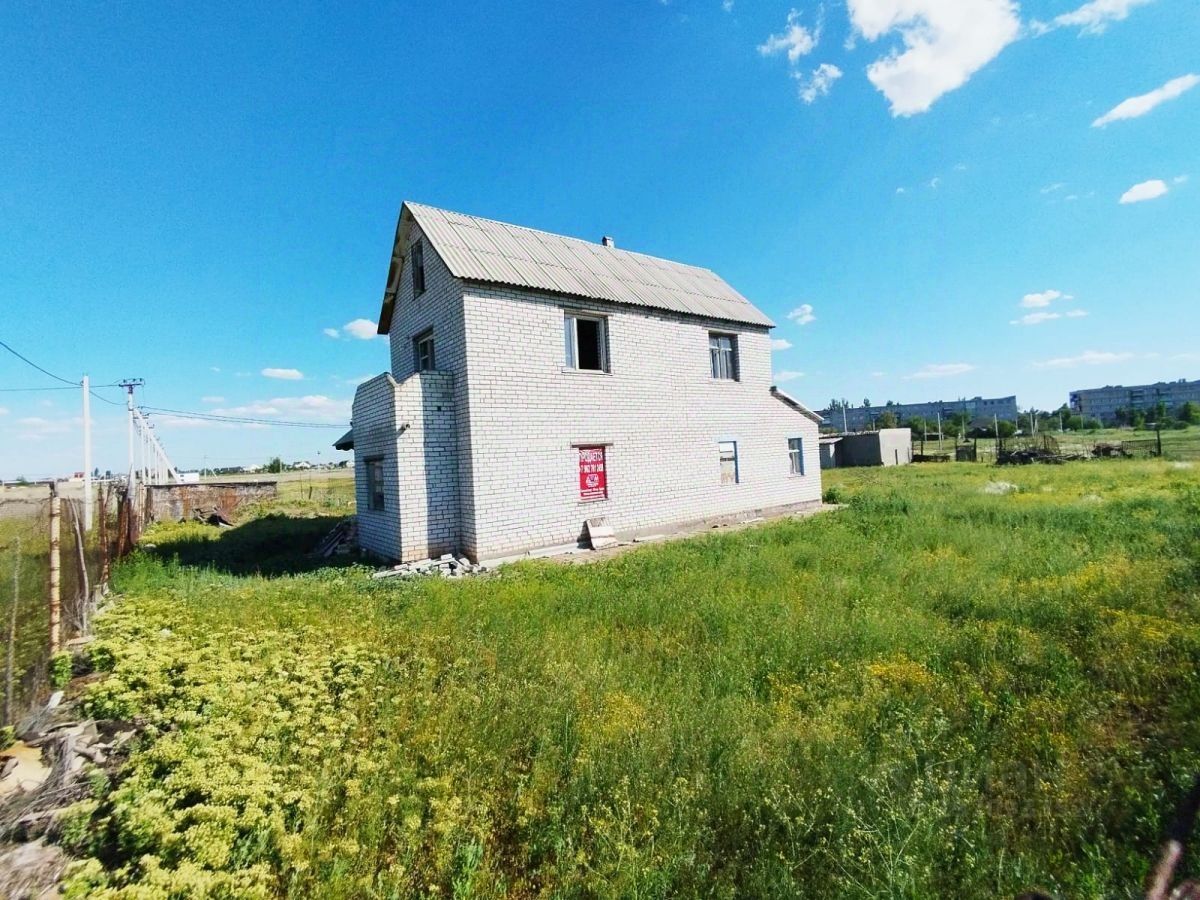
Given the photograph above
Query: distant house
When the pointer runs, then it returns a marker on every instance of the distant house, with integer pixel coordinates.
(538, 381)
(885, 447)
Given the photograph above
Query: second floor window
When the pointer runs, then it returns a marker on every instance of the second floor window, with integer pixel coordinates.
(423, 352)
(585, 343)
(418, 269)
(722, 350)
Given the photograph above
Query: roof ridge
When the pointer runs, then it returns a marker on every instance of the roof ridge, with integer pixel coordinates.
(561, 237)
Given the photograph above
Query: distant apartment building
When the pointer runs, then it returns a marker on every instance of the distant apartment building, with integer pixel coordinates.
(982, 410)
(1103, 403)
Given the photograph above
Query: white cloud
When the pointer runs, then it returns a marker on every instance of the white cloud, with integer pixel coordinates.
(945, 43)
(941, 370)
(901, 190)
(727, 5)
(781, 344)
(1051, 188)
(1087, 358)
(1179, 179)
(795, 39)
(878, 374)
(214, 368)
(285, 374)
(787, 375)
(310, 406)
(212, 399)
(819, 83)
(1091, 18)
(1145, 190)
(3, 410)
(1036, 318)
(934, 182)
(36, 428)
(1045, 298)
(1144, 103)
(363, 329)
(802, 314)
(330, 332)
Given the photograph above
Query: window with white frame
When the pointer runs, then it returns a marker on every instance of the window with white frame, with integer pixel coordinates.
(729, 461)
(375, 493)
(585, 342)
(796, 455)
(423, 360)
(722, 349)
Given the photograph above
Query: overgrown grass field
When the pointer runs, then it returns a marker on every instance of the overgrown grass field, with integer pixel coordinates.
(934, 691)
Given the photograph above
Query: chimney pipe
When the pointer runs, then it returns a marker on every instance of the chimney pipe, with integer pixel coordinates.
(607, 241)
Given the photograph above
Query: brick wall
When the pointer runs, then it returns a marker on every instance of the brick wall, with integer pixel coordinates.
(410, 426)
(175, 502)
(658, 410)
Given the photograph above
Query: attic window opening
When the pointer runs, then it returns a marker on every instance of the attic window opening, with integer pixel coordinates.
(418, 269)
(584, 342)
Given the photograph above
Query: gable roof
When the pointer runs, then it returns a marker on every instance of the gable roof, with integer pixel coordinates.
(482, 250)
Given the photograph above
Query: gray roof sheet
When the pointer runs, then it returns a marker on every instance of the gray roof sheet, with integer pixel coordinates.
(482, 250)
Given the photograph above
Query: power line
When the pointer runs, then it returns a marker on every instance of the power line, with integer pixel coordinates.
(105, 399)
(247, 420)
(30, 362)
(22, 390)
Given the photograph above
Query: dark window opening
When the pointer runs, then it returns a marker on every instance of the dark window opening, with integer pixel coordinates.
(418, 269)
(375, 496)
(585, 344)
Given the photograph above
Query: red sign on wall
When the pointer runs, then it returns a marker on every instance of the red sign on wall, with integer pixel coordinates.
(593, 481)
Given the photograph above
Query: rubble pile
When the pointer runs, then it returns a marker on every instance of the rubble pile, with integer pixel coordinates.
(341, 541)
(447, 566)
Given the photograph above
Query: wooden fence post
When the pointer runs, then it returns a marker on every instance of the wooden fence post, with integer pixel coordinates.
(84, 600)
(12, 636)
(55, 573)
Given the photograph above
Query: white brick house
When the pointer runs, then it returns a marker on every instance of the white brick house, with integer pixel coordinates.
(538, 381)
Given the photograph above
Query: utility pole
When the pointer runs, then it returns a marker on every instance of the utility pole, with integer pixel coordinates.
(87, 455)
(129, 384)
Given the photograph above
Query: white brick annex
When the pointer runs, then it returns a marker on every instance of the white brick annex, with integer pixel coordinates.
(538, 381)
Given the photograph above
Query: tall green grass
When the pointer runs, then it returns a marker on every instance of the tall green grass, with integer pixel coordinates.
(935, 691)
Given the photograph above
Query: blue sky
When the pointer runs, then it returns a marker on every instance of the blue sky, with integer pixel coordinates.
(194, 194)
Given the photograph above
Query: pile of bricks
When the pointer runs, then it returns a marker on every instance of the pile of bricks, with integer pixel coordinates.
(446, 566)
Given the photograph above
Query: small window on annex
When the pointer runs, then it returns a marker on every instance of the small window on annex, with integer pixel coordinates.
(796, 455)
(722, 350)
(423, 360)
(375, 483)
(729, 462)
(585, 342)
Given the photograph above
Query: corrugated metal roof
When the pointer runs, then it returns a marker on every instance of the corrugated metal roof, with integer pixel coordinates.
(477, 249)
